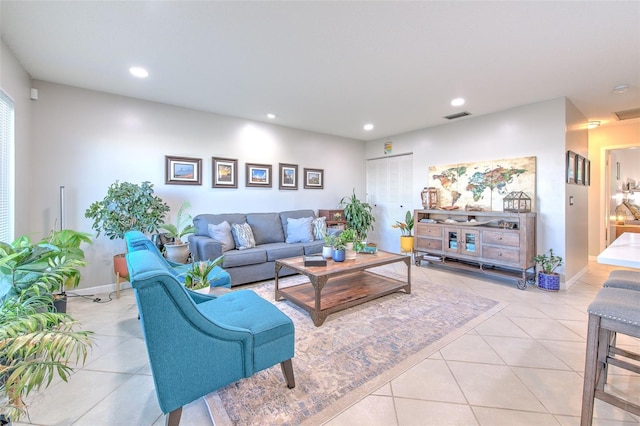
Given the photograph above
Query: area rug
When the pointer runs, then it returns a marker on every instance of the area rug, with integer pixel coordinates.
(352, 354)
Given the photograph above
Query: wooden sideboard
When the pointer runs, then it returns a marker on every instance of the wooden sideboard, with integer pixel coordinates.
(335, 218)
(498, 243)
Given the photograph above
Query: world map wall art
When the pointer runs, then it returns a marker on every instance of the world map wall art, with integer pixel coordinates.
(483, 185)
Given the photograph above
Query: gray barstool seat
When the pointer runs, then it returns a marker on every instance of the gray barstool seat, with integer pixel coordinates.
(614, 310)
(622, 278)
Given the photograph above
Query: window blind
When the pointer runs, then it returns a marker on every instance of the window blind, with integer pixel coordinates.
(7, 124)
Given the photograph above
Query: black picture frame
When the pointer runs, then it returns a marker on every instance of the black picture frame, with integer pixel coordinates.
(314, 178)
(224, 172)
(571, 167)
(258, 175)
(183, 170)
(288, 176)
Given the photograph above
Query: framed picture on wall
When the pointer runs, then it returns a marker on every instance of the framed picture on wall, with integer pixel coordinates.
(288, 176)
(579, 169)
(314, 178)
(571, 167)
(225, 173)
(587, 172)
(183, 170)
(258, 175)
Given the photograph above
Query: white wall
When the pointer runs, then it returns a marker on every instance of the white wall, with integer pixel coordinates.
(531, 130)
(15, 82)
(86, 140)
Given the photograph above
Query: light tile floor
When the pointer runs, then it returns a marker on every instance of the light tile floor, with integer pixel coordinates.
(522, 366)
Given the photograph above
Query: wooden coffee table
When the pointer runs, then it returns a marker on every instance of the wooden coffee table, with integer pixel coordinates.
(340, 285)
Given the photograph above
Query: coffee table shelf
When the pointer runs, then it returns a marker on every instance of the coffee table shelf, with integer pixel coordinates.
(340, 285)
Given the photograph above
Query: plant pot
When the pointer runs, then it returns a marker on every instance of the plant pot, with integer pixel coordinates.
(327, 252)
(406, 244)
(338, 255)
(120, 265)
(60, 303)
(550, 282)
(350, 253)
(178, 253)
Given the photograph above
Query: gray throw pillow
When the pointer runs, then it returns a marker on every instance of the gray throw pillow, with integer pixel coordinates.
(222, 234)
(243, 236)
(299, 230)
(319, 228)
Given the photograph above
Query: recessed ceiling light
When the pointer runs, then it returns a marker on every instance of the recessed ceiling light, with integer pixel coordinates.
(593, 124)
(139, 72)
(271, 116)
(368, 127)
(621, 88)
(457, 102)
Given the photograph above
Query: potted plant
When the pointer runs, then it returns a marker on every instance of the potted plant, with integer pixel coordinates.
(548, 279)
(197, 277)
(327, 248)
(359, 215)
(349, 238)
(127, 206)
(339, 248)
(175, 249)
(36, 343)
(406, 238)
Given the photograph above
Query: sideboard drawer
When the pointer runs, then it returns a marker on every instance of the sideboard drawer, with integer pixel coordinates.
(428, 244)
(501, 238)
(502, 254)
(429, 231)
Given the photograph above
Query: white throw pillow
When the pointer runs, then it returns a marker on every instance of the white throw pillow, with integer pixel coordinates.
(319, 228)
(299, 230)
(222, 234)
(243, 236)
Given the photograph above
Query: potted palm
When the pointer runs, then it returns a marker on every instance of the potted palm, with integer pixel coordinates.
(359, 216)
(36, 343)
(406, 238)
(175, 249)
(548, 279)
(197, 277)
(127, 206)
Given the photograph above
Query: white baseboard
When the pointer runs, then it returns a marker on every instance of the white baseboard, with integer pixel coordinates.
(101, 289)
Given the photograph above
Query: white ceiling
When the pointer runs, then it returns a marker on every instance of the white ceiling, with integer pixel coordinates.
(333, 66)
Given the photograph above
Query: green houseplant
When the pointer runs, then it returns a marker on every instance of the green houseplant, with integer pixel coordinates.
(127, 206)
(548, 279)
(36, 343)
(176, 250)
(406, 237)
(327, 248)
(197, 277)
(359, 215)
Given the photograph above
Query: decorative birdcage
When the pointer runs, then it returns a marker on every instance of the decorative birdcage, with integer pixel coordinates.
(516, 202)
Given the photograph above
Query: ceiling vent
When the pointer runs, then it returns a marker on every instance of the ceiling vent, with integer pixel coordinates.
(457, 115)
(628, 114)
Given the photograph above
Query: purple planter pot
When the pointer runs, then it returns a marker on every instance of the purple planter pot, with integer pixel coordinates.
(550, 282)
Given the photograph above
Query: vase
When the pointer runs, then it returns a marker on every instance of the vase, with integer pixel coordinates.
(350, 253)
(550, 282)
(338, 255)
(406, 244)
(178, 253)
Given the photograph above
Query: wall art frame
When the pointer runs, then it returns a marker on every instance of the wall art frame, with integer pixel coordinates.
(183, 170)
(225, 172)
(580, 169)
(314, 178)
(288, 176)
(571, 167)
(258, 175)
(587, 172)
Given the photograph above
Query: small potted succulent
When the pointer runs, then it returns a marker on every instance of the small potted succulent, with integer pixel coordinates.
(339, 250)
(327, 248)
(548, 279)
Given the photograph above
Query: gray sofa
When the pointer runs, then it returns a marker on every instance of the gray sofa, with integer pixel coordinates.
(257, 263)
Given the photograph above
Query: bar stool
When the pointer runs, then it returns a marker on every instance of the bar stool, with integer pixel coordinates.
(622, 278)
(614, 310)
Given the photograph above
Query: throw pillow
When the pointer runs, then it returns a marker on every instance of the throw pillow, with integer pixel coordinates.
(319, 228)
(222, 234)
(299, 230)
(243, 236)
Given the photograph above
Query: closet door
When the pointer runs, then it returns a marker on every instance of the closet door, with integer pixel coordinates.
(389, 191)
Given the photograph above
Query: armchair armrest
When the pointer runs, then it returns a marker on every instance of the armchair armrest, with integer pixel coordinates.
(204, 248)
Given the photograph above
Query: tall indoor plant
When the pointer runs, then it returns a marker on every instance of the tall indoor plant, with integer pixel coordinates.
(176, 250)
(359, 216)
(127, 206)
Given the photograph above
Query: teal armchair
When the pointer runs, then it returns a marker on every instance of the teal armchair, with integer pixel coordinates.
(199, 343)
(136, 240)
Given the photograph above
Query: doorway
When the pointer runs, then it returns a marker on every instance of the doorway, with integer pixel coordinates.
(622, 181)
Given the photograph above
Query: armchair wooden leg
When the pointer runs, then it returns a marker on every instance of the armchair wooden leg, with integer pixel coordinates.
(118, 281)
(287, 371)
(173, 418)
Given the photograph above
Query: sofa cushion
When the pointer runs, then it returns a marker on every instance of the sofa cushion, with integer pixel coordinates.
(233, 258)
(319, 228)
(222, 234)
(294, 214)
(299, 230)
(202, 221)
(243, 236)
(313, 247)
(277, 251)
(266, 227)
